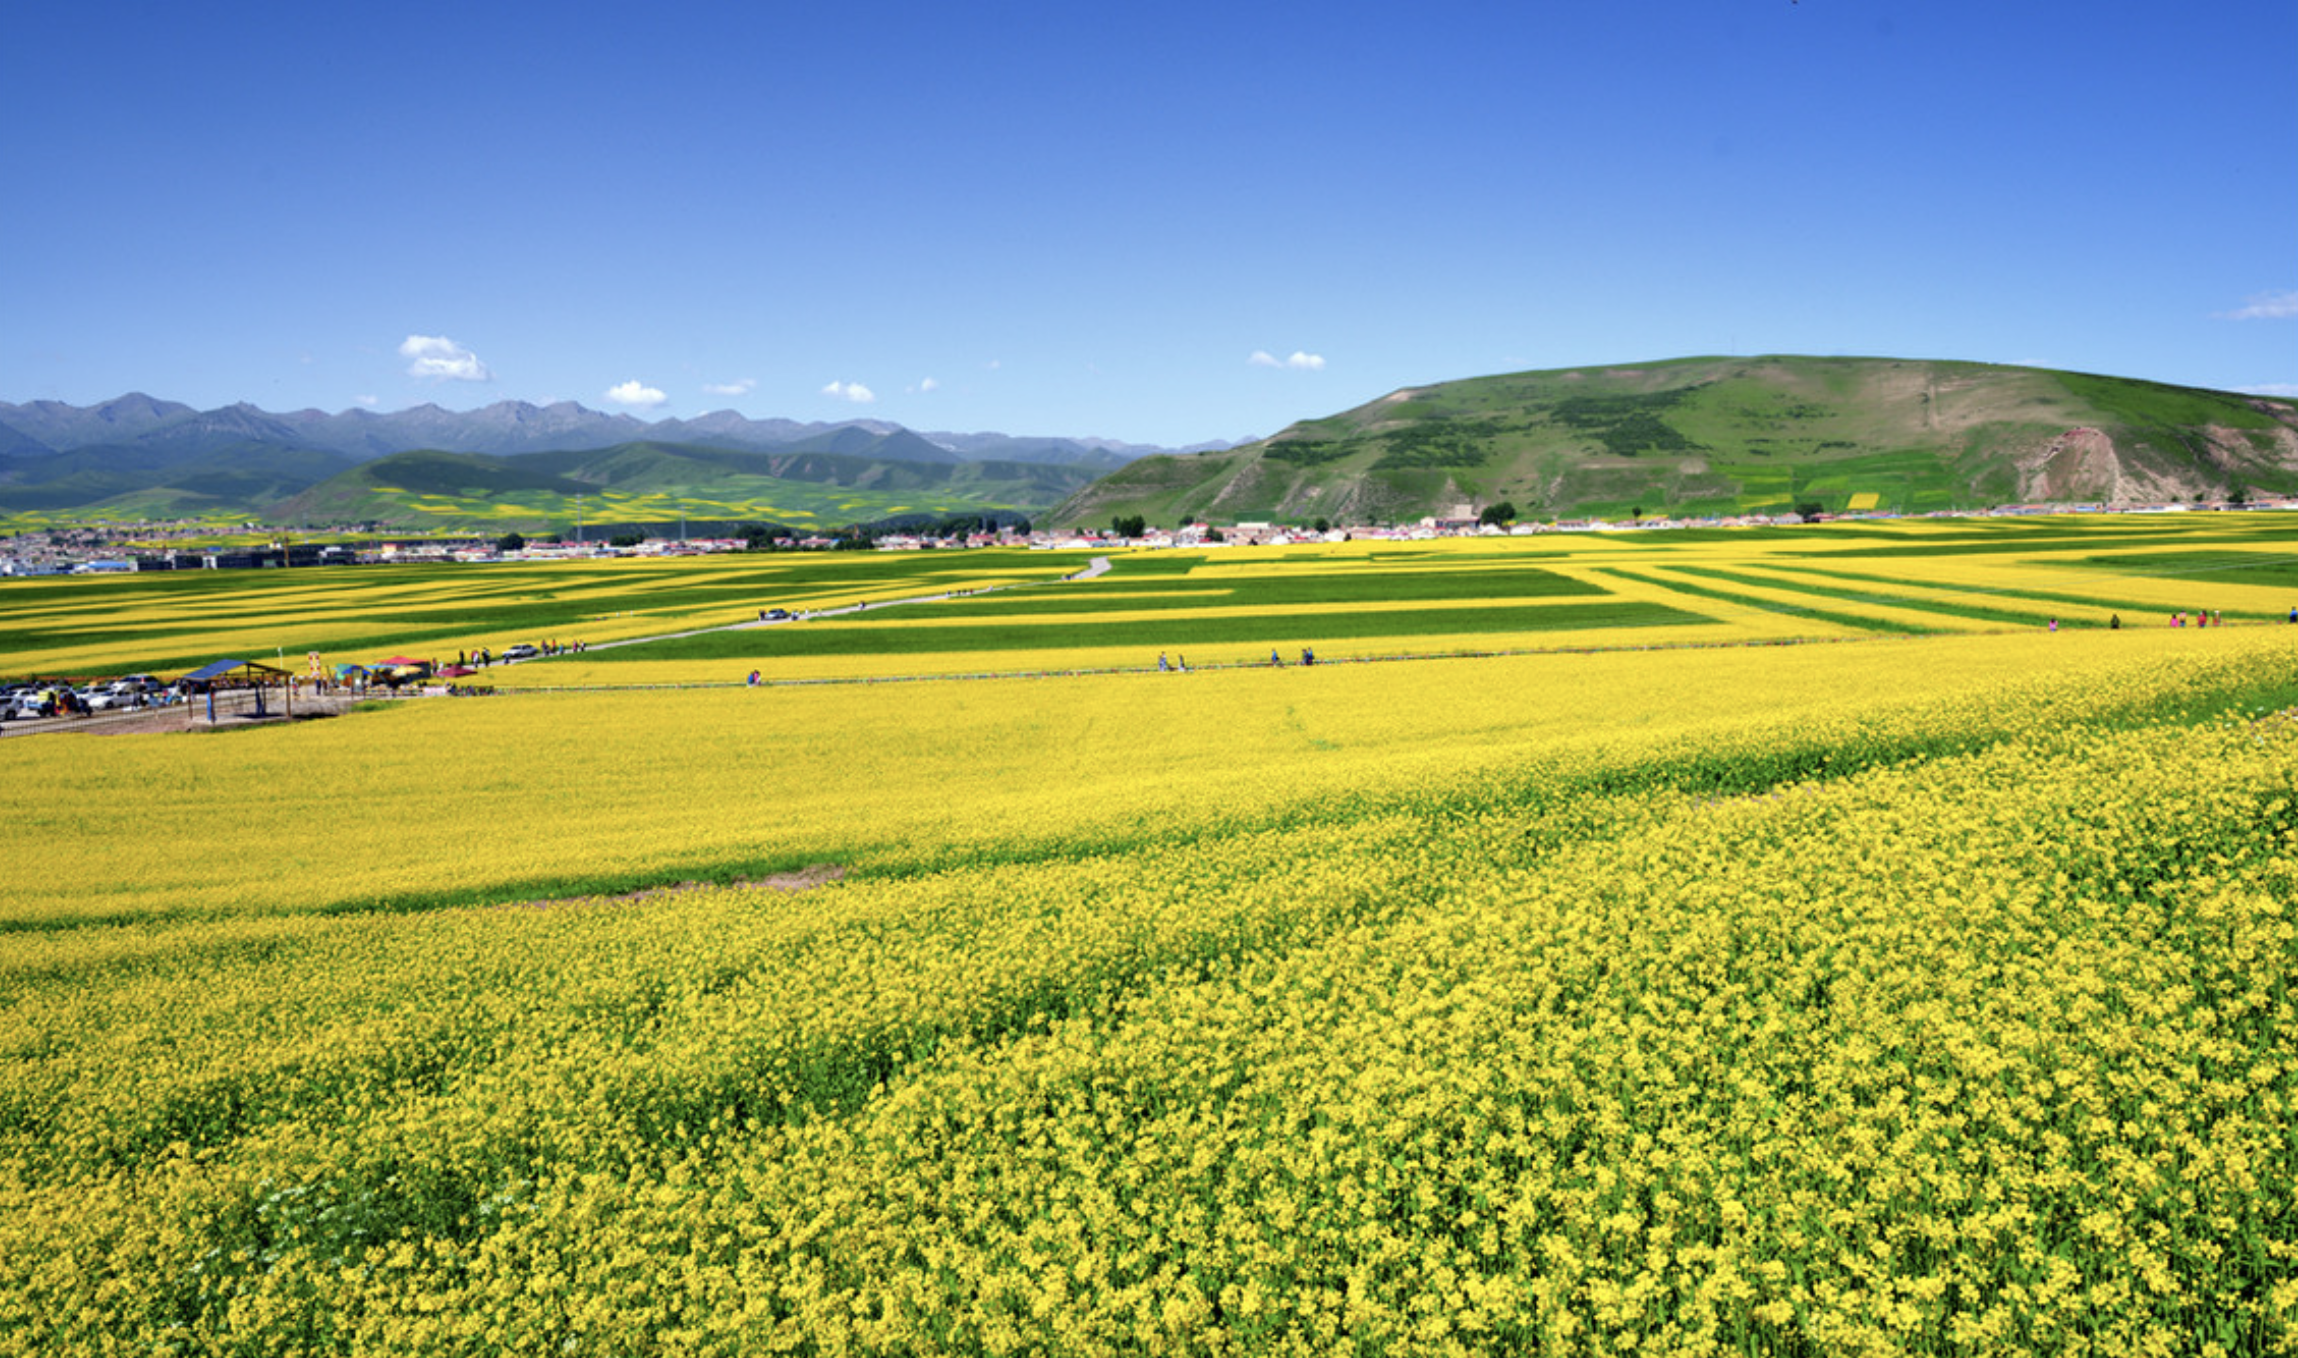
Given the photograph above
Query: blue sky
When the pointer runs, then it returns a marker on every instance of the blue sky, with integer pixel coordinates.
(1164, 224)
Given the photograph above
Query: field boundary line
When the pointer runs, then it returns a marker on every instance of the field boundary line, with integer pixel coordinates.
(1081, 672)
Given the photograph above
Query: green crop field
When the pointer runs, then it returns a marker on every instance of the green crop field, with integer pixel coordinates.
(931, 611)
(1367, 600)
(178, 620)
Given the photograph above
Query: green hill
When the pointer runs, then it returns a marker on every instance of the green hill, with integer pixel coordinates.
(1728, 436)
(126, 481)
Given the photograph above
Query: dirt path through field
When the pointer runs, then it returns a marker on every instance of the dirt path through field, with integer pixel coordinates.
(190, 716)
(805, 879)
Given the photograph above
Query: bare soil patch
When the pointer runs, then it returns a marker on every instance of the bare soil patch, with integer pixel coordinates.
(804, 879)
(176, 719)
(157, 719)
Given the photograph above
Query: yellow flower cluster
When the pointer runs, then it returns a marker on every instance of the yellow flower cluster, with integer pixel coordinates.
(1897, 997)
(507, 799)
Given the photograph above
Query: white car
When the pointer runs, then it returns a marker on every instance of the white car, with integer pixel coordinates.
(522, 651)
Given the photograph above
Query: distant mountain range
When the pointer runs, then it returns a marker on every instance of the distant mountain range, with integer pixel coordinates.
(1727, 436)
(508, 428)
(141, 457)
(1694, 436)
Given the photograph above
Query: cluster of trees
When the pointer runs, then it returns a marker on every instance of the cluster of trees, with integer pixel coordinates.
(761, 537)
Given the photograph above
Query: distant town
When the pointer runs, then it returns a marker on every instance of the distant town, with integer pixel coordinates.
(120, 549)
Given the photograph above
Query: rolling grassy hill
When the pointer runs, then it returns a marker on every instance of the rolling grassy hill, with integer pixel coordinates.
(129, 481)
(1728, 436)
(658, 482)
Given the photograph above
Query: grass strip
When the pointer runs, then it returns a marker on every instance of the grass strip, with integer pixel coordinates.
(2134, 610)
(868, 638)
(1861, 622)
(1801, 585)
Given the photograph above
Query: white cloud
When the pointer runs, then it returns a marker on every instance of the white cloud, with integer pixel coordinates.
(369, 401)
(850, 391)
(1299, 362)
(439, 357)
(927, 384)
(741, 388)
(634, 393)
(2284, 390)
(2265, 306)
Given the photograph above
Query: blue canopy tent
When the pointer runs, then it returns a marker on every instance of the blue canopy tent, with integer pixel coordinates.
(236, 674)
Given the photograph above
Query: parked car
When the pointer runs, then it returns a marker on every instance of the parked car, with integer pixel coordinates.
(522, 651)
(114, 699)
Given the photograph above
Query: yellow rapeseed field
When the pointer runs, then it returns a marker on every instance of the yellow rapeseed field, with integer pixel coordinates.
(1887, 994)
(489, 799)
